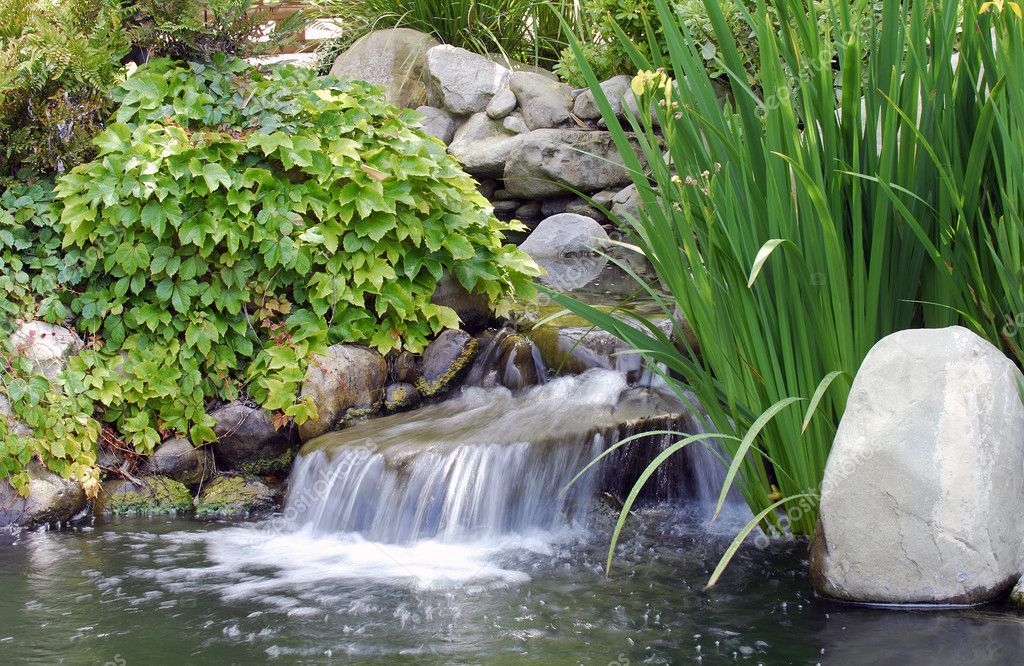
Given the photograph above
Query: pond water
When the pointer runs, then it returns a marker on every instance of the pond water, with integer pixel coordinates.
(148, 591)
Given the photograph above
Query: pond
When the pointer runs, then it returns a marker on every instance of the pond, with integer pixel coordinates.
(132, 591)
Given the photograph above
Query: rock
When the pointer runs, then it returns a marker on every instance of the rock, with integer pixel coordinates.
(438, 122)
(444, 361)
(403, 367)
(157, 496)
(462, 81)
(548, 160)
(550, 207)
(45, 346)
(14, 425)
(518, 363)
(543, 102)
(514, 123)
(487, 187)
(616, 89)
(179, 460)
(393, 59)
(473, 309)
(502, 104)
(235, 497)
(583, 208)
(248, 442)
(506, 208)
(565, 235)
(626, 204)
(571, 273)
(1017, 595)
(923, 490)
(50, 500)
(528, 212)
(400, 396)
(482, 146)
(576, 349)
(346, 382)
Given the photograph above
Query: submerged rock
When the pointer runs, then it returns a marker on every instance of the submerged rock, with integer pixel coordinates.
(444, 361)
(51, 499)
(394, 59)
(519, 363)
(248, 442)
(923, 490)
(346, 382)
(178, 459)
(400, 396)
(46, 346)
(157, 496)
(235, 497)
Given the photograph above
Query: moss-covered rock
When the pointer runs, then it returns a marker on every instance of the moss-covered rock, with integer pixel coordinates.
(235, 497)
(444, 361)
(157, 496)
(400, 396)
(269, 466)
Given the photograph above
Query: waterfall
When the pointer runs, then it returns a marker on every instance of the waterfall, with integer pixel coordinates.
(494, 462)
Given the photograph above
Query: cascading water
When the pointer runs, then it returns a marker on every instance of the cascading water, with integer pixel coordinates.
(492, 463)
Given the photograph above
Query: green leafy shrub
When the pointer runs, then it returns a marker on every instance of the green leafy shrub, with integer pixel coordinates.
(58, 60)
(51, 422)
(235, 222)
(34, 271)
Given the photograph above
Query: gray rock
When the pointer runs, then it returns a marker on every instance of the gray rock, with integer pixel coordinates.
(502, 104)
(923, 491)
(461, 81)
(543, 102)
(346, 382)
(51, 499)
(247, 440)
(529, 212)
(571, 273)
(514, 123)
(550, 207)
(45, 346)
(616, 89)
(582, 207)
(444, 362)
(506, 208)
(438, 122)
(179, 460)
(235, 497)
(473, 309)
(482, 146)
(401, 396)
(394, 59)
(625, 206)
(565, 235)
(549, 160)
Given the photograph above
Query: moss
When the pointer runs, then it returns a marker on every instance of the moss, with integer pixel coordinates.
(429, 389)
(232, 496)
(269, 466)
(160, 496)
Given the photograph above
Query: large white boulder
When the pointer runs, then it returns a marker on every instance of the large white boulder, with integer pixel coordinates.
(924, 486)
(46, 346)
(461, 81)
(482, 146)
